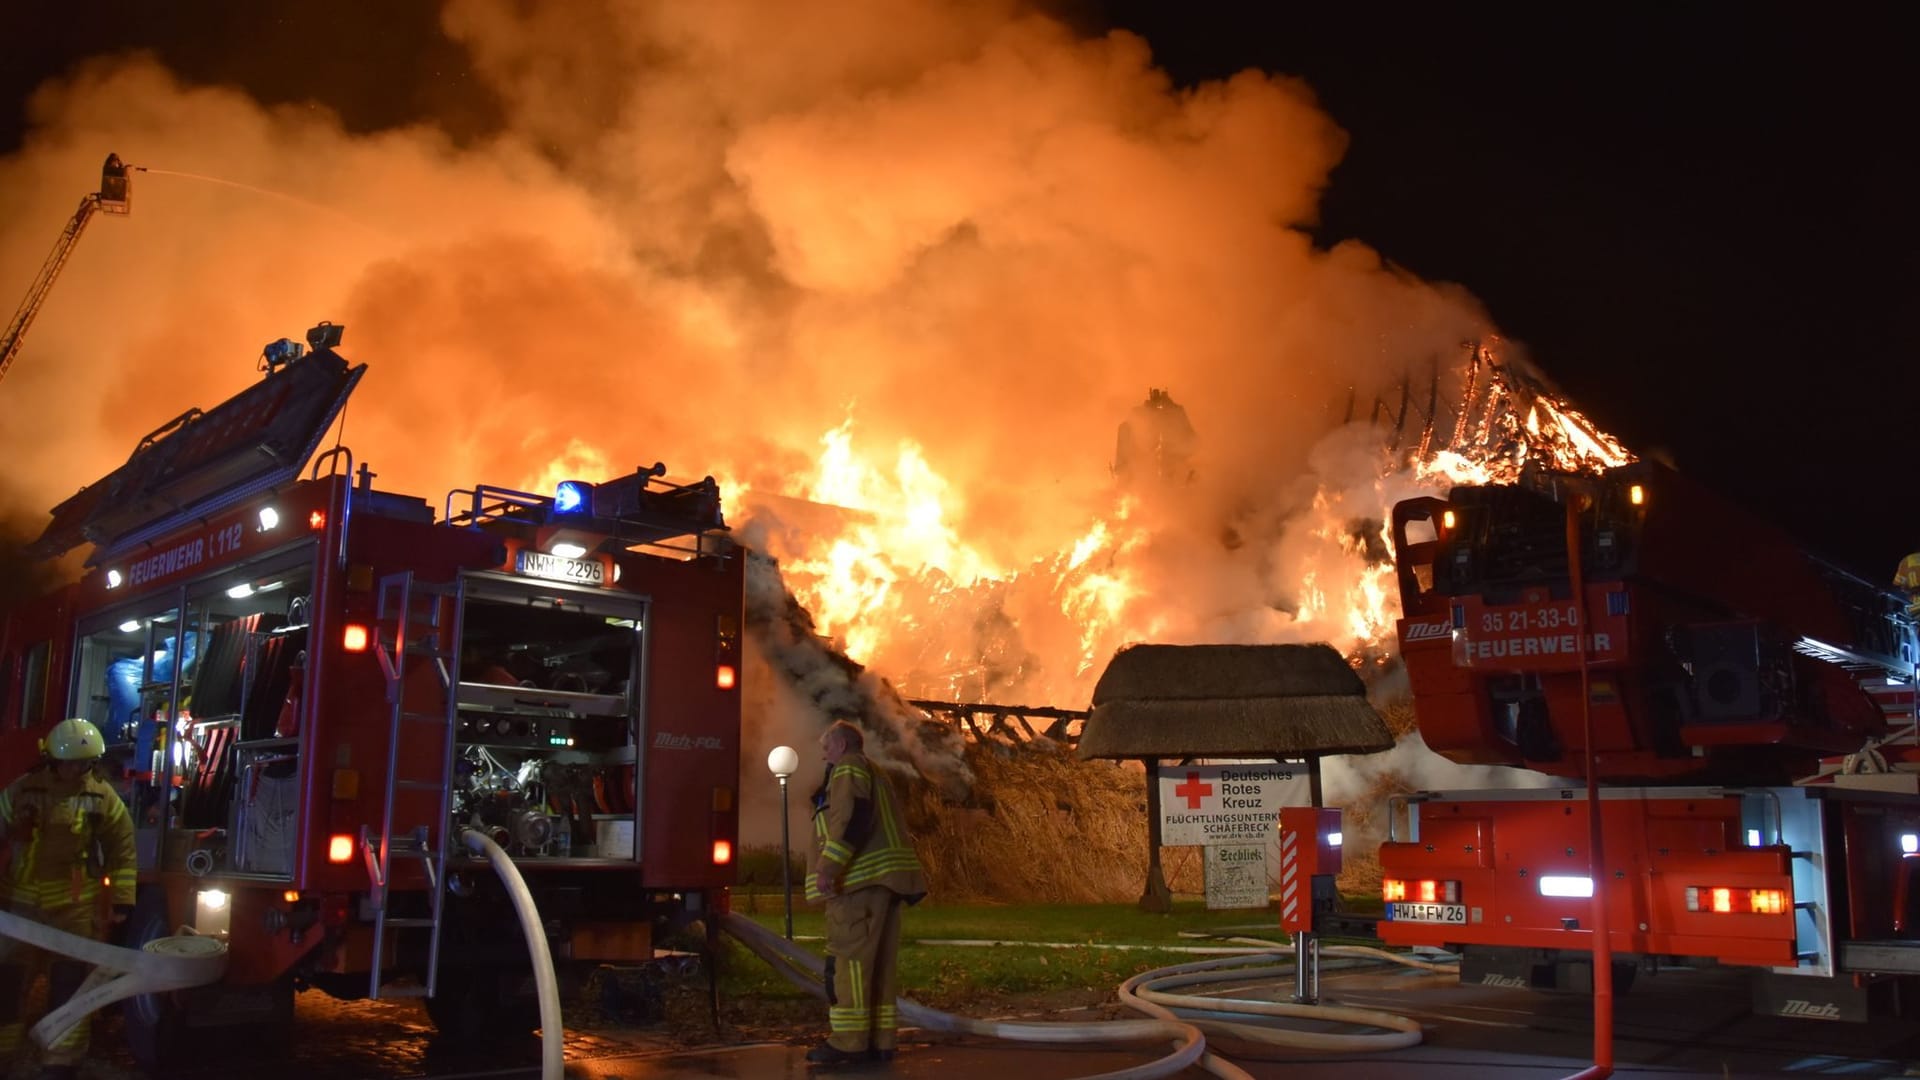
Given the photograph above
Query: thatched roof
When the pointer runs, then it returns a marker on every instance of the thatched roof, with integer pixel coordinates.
(1177, 701)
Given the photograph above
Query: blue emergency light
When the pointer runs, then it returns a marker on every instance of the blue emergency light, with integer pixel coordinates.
(572, 497)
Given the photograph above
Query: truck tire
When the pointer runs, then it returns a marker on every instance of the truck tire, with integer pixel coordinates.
(155, 1023)
(482, 1007)
(277, 1032)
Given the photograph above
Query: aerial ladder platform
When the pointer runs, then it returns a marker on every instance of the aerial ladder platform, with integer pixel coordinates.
(114, 197)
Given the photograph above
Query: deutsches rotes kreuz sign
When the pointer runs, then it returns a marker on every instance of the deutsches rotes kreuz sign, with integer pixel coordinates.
(1228, 804)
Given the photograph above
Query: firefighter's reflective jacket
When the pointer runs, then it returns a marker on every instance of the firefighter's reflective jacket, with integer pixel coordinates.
(65, 837)
(1908, 577)
(857, 824)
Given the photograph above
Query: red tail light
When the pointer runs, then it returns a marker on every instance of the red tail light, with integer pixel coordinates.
(726, 652)
(723, 824)
(354, 638)
(333, 912)
(1425, 892)
(1721, 900)
(340, 848)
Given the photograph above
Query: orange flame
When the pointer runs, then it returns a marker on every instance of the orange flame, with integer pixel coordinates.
(886, 573)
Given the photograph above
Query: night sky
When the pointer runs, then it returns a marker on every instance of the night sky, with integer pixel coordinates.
(1701, 223)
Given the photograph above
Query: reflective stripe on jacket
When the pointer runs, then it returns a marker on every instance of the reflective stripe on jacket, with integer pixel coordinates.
(66, 837)
(1908, 575)
(860, 827)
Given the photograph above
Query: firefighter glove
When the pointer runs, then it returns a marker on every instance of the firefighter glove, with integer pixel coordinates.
(827, 877)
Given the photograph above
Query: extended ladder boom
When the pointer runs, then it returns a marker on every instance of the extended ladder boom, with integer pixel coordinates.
(113, 198)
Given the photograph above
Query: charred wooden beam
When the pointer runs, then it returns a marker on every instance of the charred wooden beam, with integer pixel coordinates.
(984, 718)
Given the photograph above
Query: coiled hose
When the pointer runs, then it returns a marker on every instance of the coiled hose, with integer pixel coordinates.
(1147, 993)
(169, 963)
(1396, 1032)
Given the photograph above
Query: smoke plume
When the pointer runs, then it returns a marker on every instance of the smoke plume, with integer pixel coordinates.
(900, 266)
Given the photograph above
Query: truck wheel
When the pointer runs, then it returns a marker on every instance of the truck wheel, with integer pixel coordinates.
(481, 1008)
(154, 1022)
(277, 1032)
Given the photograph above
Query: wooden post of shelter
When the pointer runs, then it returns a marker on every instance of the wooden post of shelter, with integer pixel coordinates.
(1284, 702)
(1157, 897)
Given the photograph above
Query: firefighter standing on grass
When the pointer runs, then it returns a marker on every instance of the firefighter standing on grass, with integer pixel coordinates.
(865, 869)
(63, 833)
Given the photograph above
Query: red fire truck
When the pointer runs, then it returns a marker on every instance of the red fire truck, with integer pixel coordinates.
(1752, 719)
(312, 688)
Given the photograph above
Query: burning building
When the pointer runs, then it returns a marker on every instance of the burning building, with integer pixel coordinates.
(899, 269)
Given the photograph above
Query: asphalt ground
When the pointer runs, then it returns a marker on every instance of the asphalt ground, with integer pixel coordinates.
(1678, 1024)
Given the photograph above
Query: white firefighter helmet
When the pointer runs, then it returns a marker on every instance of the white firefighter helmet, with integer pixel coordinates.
(75, 740)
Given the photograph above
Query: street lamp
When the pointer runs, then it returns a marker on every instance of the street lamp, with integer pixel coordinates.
(782, 762)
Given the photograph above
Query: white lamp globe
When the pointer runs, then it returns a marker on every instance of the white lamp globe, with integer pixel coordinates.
(783, 761)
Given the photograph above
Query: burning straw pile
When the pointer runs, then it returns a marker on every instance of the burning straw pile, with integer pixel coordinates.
(995, 819)
(1041, 827)
(1044, 825)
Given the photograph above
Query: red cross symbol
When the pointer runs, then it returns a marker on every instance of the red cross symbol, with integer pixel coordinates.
(1192, 791)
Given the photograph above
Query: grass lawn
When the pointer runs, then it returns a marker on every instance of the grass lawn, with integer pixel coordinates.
(949, 977)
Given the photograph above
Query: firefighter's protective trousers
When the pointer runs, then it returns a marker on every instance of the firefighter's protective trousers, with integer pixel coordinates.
(863, 937)
(69, 852)
(860, 830)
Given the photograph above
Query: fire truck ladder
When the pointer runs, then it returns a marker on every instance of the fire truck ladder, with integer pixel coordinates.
(414, 619)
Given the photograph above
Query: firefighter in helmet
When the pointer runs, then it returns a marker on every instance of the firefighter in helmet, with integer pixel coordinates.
(67, 843)
(865, 870)
(1907, 578)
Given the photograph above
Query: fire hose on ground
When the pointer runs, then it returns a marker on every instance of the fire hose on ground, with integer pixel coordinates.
(189, 960)
(162, 965)
(1148, 993)
(546, 984)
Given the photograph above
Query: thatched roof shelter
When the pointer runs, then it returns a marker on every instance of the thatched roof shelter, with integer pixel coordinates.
(1180, 701)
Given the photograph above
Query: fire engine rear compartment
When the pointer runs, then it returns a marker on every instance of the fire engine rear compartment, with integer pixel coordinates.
(229, 650)
(549, 709)
(307, 762)
(1815, 887)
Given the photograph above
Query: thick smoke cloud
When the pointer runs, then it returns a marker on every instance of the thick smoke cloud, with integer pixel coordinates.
(709, 234)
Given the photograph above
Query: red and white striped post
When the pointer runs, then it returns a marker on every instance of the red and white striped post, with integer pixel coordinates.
(1309, 861)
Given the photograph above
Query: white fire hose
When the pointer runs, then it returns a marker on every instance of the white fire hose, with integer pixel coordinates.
(164, 964)
(187, 960)
(1150, 989)
(552, 1034)
(1144, 993)
(806, 971)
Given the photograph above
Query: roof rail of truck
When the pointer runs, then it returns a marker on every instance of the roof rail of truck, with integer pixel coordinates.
(639, 508)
